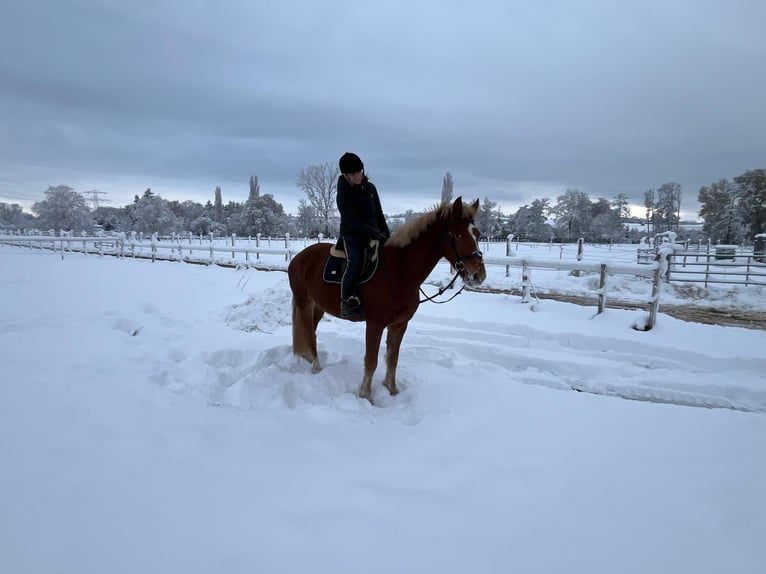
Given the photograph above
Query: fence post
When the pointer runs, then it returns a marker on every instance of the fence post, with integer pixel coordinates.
(154, 245)
(508, 251)
(602, 289)
(287, 246)
(656, 287)
(257, 245)
(233, 243)
(525, 282)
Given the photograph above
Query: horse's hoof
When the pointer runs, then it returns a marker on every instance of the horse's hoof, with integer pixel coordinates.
(392, 390)
(368, 397)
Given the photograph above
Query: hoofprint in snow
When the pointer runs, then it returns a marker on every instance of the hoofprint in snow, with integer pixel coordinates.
(155, 412)
(635, 367)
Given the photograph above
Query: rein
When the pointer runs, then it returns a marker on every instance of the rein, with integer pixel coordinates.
(459, 266)
(441, 291)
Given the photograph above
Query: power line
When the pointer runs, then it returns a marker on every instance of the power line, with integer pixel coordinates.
(94, 193)
(20, 197)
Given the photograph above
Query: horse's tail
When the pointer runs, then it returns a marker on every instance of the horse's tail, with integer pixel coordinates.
(300, 343)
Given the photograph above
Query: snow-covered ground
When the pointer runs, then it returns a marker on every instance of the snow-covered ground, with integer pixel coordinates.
(153, 419)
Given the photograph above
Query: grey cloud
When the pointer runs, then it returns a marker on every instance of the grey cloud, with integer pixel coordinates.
(515, 100)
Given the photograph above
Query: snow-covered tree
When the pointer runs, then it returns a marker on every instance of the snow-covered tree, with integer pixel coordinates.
(202, 225)
(150, 213)
(573, 213)
(264, 215)
(720, 210)
(12, 216)
(63, 209)
(488, 218)
(306, 224)
(751, 191)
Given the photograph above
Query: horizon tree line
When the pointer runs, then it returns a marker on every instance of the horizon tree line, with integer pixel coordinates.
(733, 211)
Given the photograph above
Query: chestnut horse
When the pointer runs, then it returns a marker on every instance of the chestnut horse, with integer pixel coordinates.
(391, 296)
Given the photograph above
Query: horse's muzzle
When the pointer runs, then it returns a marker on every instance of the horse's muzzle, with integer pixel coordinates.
(471, 269)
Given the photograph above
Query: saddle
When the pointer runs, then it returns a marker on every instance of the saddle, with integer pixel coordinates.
(336, 262)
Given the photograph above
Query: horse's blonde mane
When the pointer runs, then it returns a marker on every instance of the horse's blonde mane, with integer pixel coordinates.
(406, 233)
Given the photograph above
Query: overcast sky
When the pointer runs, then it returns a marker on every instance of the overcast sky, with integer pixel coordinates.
(518, 100)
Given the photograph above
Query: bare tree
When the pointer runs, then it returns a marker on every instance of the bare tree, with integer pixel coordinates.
(621, 204)
(667, 206)
(447, 188)
(650, 215)
(319, 183)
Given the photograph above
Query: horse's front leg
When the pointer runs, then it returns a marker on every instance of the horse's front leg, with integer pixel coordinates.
(372, 345)
(393, 343)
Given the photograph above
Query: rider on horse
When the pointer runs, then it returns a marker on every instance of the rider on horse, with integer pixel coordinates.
(361, 219)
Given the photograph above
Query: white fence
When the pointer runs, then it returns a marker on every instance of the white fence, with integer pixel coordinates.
(175, 249)
(249, 253)
(712, 264)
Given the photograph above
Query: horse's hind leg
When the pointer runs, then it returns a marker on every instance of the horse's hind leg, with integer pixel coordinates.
(372, 344)
(393, 343)
(305, 319)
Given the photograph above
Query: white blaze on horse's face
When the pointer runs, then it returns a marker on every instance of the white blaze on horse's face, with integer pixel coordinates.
(475, 233)
(468, 257)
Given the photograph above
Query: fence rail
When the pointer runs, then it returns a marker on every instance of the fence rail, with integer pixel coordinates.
(739, 269)
(652, 270)
(173, 250)
(203, 252)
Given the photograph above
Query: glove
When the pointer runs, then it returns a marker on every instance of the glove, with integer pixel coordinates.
(376, 234)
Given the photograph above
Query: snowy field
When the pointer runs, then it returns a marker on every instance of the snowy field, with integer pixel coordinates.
(153, 419)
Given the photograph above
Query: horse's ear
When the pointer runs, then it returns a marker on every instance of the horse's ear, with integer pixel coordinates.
(457, 208)
(475, 206)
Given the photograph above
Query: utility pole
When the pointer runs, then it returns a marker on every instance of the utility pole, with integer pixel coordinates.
(92, 195)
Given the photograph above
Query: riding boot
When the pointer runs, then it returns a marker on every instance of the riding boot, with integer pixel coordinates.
(350, 302)
(351, 308)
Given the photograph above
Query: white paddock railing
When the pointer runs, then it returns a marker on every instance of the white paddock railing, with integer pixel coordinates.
(176, 250)
(154, 249)
(653, 270)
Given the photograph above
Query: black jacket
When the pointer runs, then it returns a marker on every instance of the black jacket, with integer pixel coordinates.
(361, 215)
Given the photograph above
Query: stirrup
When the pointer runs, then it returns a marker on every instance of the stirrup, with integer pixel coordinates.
(351, 308)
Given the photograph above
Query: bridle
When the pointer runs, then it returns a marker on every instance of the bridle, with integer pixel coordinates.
(458, 263)
(476, 254)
